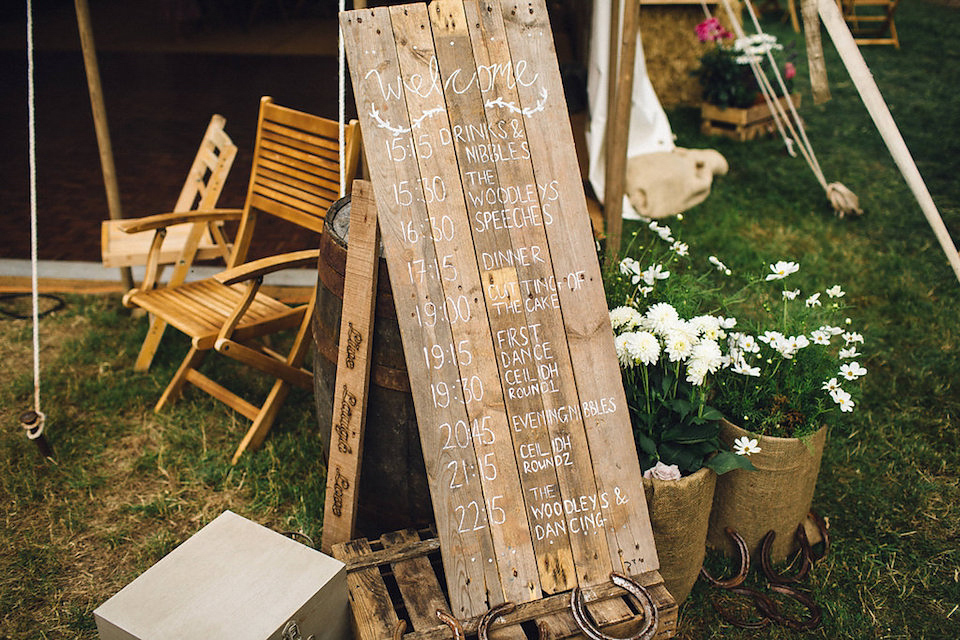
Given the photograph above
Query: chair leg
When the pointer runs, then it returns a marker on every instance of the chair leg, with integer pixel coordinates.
(175, 389)
(261, 425)
(150, 344)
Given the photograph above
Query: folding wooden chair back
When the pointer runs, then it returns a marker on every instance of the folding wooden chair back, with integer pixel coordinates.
(295, 177)
(871, 21)
(182, 243)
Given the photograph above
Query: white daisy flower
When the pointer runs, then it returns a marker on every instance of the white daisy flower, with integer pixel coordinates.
(745, 445)
(814, 300)
(834, 331)
(654, 273)
(852, 336)
(715, 261)
(843, 399)
(748, 343)
(742, 367)
(820, 337)
(852, 370)
(791, 295)
(831, 385)
(645, 290)
(782, 269)
(680, 248)
(727, 323)
(849, 352)
(835, 291)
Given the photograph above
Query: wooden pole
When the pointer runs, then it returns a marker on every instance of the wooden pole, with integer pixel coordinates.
(870, 94)
(100, 121)
(815, 62)
(619, 126)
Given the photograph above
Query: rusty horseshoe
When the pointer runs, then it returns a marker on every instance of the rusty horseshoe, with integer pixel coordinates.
(491, 615)
(766, 564)
(824, 529)
(738, 579)
(399, 629)
(756, 596)
(584, 620)
(769, 609)
(453, 623)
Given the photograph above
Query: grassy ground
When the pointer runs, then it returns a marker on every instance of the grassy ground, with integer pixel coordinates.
(129, 485)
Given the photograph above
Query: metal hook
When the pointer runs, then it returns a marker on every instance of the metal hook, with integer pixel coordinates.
(491, 615)
(453, 623)
(738, 579)
(650, 614)
(766, 564)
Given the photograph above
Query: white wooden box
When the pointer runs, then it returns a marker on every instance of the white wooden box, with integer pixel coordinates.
(233, 579)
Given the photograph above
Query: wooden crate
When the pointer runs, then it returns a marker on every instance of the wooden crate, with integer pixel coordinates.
(400, 576)
(741, 124)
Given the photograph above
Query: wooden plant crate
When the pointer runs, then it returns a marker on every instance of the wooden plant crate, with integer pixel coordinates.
(741, 124)
(400, 576)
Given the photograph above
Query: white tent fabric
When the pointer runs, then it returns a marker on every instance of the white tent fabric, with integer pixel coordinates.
(649, 128)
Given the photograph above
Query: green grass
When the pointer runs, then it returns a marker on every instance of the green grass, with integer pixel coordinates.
(129, 484)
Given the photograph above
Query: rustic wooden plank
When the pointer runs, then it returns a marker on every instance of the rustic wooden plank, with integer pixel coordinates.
(580, 290)
(353, 368)
(373, 613)
(539, 305)
(421, 592)
(487, 430)
(408, 229)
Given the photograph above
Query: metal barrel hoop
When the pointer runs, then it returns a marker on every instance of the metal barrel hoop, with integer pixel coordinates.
(650, 614)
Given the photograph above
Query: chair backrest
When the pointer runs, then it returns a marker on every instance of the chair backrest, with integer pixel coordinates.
(204, 182)
(296, 170)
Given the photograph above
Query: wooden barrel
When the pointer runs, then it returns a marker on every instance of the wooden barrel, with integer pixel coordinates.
(393, 490)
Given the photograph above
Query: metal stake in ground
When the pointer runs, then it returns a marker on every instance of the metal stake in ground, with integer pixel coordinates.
(32, 422)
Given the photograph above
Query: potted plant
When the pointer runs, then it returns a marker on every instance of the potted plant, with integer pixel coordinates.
(733, 102)
(794, 371)
(669, 352)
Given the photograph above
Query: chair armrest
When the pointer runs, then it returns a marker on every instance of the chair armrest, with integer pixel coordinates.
(263, 266)
(160, 220)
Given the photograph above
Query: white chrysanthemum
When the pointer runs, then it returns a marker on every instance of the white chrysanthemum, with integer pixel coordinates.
(831, 385)
(625, 318)
(782, 269)
(849, 352)
(835, 291)
(820, 337)
(697, 371)
(706, 326)
(677, 344)
(852, 370)
(745, 445)
(814, 300)
(623, 355)
(643, 347)
(660, 317)
(653, 273)
(708, 352)
(791, 295)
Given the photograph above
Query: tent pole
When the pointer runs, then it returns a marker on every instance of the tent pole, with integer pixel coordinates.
(616, 162)
(870, 94)
(100, 121)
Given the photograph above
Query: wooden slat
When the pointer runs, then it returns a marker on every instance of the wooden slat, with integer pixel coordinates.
(370, 603)
(580, 289)
(421, 592)
(353, 369)
(467, 543)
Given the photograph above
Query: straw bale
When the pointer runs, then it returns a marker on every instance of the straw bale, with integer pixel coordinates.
(672, 50)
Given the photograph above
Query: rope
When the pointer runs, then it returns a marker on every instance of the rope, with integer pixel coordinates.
(32, 142)
(341, 71)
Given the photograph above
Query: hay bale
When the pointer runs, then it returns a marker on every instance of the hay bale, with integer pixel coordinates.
(672, 50)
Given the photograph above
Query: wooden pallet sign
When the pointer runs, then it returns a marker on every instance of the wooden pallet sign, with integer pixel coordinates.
(533, 473)
(353, 369)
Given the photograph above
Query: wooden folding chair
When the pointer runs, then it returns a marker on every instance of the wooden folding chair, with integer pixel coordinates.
(871, 21)
(177, 243)
(295, 177)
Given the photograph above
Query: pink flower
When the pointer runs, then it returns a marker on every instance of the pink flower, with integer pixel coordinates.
(789, 71)
(711, 30)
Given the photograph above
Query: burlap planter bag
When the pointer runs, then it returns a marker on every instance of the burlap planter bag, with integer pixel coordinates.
(776, 496)
(679, 514)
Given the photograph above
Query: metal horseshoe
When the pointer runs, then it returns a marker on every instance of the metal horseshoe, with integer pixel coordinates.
(766, 564)
(759, 623)
(399, 629)
(824, 534)
(650, 614)
(738, 579)
(453, 623)
(812, 621)
(491, 615)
